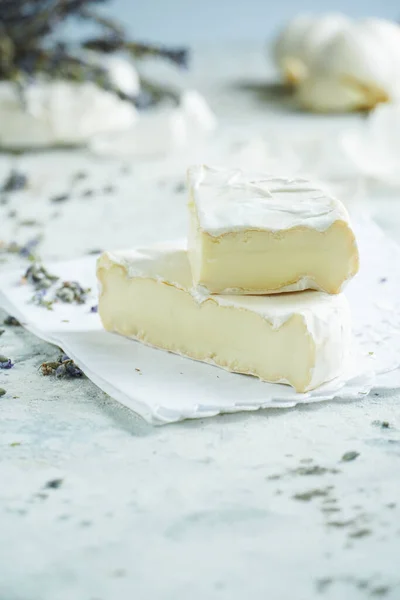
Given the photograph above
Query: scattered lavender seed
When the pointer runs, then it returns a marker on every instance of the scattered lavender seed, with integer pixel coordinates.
(348, 456)
(15, 181)
(79, 176)
(179, 188)
(29, 223)
(10, 320)
(87, 193)
(54, 484)
(94, 309)
(311, 494)
(383, 280)
(382, 424)
(2, 391)
(360, 533)
(108, 189)
(60, 198)
(95, 251)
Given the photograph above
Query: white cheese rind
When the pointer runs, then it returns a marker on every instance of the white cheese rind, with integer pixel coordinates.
(266, 235)
(227, 200)
(159, 280)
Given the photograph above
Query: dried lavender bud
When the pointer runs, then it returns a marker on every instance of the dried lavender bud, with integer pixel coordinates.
(40, 300)
(10, 320)
(65, 294)
(72, 291)
(5, 363)
(27, 251)
(68, 369)
(64, 367)
(72, 369)
(15, 181)
(38, 276)
(94, 309)
(48, 368)
(2, 392)
(60, 198)
(61, 371)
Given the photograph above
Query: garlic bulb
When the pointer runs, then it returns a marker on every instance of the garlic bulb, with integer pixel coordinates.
(303, 38)
(354, 66)
(59, 113)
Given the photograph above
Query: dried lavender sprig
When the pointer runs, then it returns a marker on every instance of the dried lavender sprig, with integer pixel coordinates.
(39, 298)
(29, 43)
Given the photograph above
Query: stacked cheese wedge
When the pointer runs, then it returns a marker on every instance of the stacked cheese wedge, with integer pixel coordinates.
(257, 290)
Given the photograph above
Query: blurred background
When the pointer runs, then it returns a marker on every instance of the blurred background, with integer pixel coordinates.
(190, 22)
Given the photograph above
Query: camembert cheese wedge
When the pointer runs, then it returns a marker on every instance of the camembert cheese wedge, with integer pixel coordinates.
(301, 339)
(262, 235)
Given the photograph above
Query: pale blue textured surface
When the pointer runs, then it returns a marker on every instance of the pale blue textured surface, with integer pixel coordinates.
(219, 509)
(188, 22)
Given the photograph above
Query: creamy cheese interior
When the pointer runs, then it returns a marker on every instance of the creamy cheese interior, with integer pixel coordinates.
(266, 235)
(301, 339)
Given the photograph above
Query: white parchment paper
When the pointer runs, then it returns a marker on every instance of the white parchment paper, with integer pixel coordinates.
(164, 388)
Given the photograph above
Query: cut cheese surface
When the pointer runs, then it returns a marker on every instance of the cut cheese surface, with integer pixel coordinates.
(263, 235)
(301, 339)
